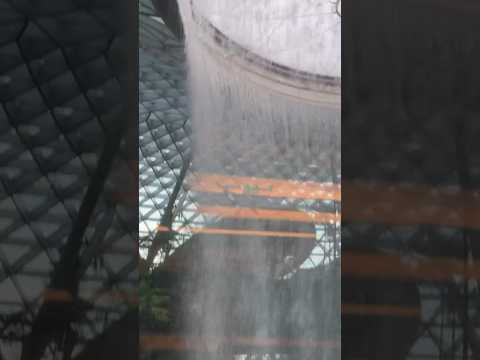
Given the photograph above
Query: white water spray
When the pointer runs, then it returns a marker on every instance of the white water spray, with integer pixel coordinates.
(250, 121)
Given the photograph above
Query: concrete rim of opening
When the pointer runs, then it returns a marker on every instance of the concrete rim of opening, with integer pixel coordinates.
(305, 86)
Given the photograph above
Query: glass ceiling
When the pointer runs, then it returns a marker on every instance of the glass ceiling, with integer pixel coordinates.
(274, 196)
(165, 144)
(57, 90)
(164, 126)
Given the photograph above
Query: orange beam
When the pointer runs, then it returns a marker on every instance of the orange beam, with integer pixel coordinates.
(380, 267)
(53, 295)
(256, 233)
(212, 344)
(396, 267)
(253, 186)
(252, 213)
(401, 204)
(380, 310)
(395, 204)
(163, 228)
(241, 232)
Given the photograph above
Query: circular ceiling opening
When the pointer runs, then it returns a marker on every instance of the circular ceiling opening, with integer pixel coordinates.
(301, 35)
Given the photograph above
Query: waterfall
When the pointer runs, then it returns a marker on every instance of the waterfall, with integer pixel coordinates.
(260, 284)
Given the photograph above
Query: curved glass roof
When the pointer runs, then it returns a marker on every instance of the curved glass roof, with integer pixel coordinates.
(164, 126)
(165, 143)
(58, 91)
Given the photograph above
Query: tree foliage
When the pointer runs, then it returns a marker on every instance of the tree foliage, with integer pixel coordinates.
(153, 303)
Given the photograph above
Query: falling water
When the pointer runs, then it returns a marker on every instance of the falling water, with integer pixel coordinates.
(262, 293)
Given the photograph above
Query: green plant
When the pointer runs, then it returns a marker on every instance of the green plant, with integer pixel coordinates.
(154, 302)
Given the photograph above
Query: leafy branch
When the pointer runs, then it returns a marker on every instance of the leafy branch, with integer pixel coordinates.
(153, 303)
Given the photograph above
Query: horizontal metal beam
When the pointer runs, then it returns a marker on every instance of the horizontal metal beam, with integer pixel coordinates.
(263, 187)
(410, 204)
(155, 342)
(269, 214)
(382, 266)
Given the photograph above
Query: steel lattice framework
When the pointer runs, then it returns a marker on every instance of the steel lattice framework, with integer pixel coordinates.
(59, 103)
(164, 126)
(165, 142)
